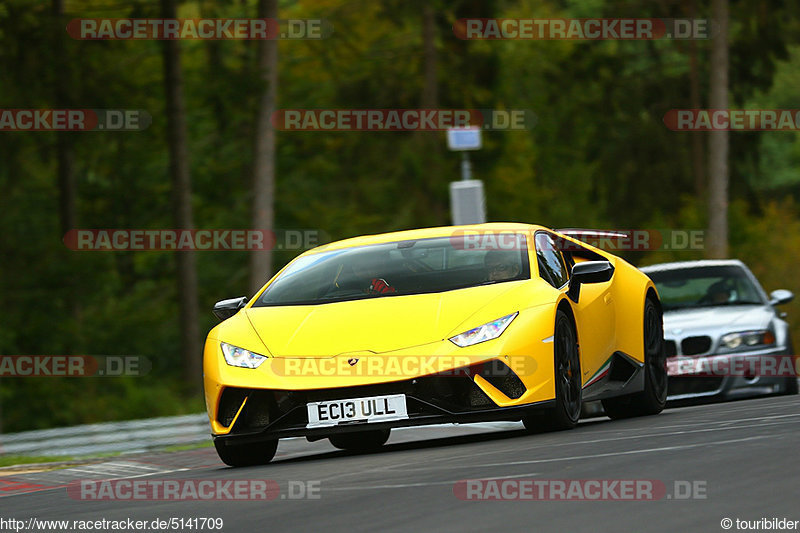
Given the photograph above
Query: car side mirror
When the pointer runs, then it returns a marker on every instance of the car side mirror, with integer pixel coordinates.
(780, 296)
(588, 272)
(225, 309)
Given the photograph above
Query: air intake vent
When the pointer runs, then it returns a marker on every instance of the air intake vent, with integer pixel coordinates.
(255, 414)
(478, 398)
(229, 404)
(502, 378)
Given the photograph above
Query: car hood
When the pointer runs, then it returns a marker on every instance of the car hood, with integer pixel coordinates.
(376, 324)
(708, 319)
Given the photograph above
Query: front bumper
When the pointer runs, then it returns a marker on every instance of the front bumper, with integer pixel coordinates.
(726, 376)
(270, 414)
(494, 380)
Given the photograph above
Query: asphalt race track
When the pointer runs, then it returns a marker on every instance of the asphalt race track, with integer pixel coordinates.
(742, 456)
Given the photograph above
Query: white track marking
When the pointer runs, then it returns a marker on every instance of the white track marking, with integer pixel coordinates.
(424, 483)
(497, 451)
(614, 454)
(539, 461)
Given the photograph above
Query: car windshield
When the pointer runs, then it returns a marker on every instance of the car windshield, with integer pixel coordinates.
(705, 287)
(398, 269)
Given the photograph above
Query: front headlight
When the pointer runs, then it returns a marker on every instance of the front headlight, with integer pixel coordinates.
(486, 332)
(240, 357)
(744, 339)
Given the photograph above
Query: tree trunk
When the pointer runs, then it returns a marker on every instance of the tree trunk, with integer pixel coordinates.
(67, 186)
(431, 145)
(717, 241)
(191, 352)
(430, 91)
(698, 150)
(66, 182)
(264, 150)
(66, 175)
(217, 71)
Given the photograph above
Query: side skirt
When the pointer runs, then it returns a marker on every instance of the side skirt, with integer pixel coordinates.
(620, 374)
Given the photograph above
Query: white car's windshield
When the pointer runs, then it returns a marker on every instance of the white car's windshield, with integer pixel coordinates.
(705, 287)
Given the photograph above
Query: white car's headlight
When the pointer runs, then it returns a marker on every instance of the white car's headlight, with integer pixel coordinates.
(745, 339)
(240, 357)
(486, 332)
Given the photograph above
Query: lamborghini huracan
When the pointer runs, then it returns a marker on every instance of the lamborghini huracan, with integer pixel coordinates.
(438, 325)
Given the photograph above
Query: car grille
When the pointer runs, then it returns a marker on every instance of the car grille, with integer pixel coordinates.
(670, 348)
(692, 385)
(450, 392)
(286, 408)
(455, 392)
(695, 345)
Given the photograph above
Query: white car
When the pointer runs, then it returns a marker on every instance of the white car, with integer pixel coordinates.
(724, 337)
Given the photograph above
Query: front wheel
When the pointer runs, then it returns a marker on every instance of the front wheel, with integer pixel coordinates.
(652, 399)
(791, 382)
(360, 441)
(248, 454)
(567, 361)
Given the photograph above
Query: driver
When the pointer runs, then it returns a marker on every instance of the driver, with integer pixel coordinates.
(718, 293)
(368, 271)
(501, 265)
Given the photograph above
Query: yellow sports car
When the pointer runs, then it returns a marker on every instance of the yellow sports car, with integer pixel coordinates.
(451, 324)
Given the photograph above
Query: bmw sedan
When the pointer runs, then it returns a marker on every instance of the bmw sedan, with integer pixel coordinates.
(725, 339)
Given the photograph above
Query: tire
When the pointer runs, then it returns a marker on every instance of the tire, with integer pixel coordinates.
(791, 382)
(250, 454)
(567, 365)
(360, 441)
(652, 399)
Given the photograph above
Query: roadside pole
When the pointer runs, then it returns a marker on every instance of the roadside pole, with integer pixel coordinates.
(467, 201)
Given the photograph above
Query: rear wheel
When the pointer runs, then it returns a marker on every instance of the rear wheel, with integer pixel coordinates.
(249, 454)
(567, 362)
(360, 441)
(652, 399)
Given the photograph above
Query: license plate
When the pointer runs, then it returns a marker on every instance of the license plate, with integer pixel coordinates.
(368, 410)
